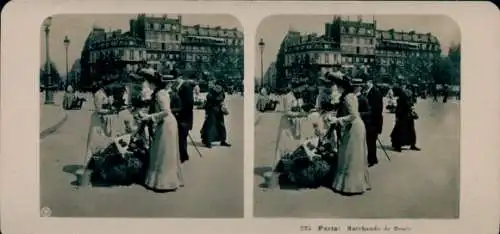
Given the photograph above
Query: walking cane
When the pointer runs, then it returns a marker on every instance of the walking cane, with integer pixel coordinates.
(195, 147)
(383, 148)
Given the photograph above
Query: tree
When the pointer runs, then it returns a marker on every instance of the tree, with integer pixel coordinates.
(227, 64)
(454, 55)
(55, 76)
(442, 71)
(418, 69)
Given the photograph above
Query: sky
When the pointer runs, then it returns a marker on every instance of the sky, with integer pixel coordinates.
(78, 27)
(273, 29)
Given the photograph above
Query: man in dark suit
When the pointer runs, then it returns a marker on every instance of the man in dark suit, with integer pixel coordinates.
(376, 103)
(184, 113)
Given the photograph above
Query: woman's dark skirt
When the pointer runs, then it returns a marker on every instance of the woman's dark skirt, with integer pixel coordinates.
(404, 133)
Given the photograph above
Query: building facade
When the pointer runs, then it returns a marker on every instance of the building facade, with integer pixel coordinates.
(356, 47)
(213, 49)
(104, 51)
(357, 42)
(162, 37)
(406, 53)
(305, 56)
(270, 76)
(74, 73)
(310, 56)
(164, 43)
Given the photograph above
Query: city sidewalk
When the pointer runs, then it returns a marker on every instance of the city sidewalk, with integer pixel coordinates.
(51, 116)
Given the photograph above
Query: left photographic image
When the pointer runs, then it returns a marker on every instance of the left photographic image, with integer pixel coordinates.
(141, 116)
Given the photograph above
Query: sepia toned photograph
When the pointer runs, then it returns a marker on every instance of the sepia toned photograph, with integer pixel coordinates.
(141, 116)
(357, 116)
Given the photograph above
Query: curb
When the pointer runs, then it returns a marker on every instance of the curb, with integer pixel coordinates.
(257, 119)
(54, 127)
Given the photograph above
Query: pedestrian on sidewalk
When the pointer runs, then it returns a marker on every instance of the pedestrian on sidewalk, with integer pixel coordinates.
(404, 133)
(183, 91)
(69, 98)
(375, 120)
(214, 128)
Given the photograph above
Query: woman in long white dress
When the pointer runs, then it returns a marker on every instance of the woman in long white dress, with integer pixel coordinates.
(164, 172)
(351, 176)
(99, 134)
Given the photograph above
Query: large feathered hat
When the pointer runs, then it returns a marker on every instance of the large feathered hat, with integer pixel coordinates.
(340, 79)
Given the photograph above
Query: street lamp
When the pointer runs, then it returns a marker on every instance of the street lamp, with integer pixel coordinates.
(66, 45)
(49, 95)
(261, 48)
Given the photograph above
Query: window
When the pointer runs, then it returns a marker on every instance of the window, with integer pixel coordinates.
(343, 29)
(352, 30)
(366, 60)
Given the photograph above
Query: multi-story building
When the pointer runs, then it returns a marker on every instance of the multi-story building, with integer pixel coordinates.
(102, 47)
(307, 56)
(162, 37)
(270, 76)
(357, 42)
(215, 49)
(358, 47)
(197, 52)
(406, 52)
(74, 73)
(164, 44)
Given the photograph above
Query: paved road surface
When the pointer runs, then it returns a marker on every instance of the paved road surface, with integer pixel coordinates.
(213, 184)
(413, 185)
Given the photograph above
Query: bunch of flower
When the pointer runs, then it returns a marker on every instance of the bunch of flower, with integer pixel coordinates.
(114, 168)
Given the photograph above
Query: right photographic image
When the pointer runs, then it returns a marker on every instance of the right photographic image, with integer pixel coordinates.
(357, 116)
